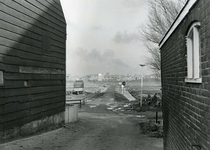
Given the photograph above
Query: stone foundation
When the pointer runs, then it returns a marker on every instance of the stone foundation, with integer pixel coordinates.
(42, 125)
(71, 113)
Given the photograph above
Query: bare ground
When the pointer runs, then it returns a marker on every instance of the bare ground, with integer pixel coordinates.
(98, 128)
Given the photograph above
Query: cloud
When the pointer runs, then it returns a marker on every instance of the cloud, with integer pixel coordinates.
(97, 56)
(94, 56)
(94, 24)
(97, 61)
(124, 37)
(80, 53)
(119, 62)
(97, 27)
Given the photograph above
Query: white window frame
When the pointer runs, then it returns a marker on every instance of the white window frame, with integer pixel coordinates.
(193, 54)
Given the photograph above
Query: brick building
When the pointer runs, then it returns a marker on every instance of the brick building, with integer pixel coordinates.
(185, 64)
(32, 66)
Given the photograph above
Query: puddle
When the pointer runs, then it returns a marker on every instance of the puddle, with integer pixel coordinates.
(89, 100)
(127, 105)
(99, 117)
(138, 116)
(93, 106)
(107, 104)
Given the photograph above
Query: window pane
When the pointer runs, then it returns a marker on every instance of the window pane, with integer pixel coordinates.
(196, 52)
(189, 58)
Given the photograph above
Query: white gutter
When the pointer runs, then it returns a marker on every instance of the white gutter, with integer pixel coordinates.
(178, 20)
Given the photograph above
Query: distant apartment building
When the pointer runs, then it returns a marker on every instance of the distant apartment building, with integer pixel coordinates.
(100, 77)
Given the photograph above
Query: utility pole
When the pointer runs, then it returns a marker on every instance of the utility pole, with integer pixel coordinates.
(142, 65)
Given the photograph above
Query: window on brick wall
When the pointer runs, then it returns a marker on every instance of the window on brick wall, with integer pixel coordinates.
(193, 54)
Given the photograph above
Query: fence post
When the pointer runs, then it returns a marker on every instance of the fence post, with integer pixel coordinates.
(156, 116)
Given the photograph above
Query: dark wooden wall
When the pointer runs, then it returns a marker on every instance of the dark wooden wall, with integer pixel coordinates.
(32, 60)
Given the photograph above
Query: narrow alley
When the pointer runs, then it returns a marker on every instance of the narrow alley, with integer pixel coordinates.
(98, 128)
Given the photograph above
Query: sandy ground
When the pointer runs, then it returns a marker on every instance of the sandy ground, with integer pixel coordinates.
(98, 128)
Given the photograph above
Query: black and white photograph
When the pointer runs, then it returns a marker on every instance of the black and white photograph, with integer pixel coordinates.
(104, 74)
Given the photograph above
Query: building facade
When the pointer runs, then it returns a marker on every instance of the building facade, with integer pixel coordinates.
(185, 64)
(32, 66)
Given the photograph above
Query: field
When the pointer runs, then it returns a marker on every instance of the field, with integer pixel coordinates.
(89, 86)
(151, 91)
(149, 87)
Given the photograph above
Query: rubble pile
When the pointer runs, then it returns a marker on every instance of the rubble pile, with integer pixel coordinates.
(147, 99)
(152, 128)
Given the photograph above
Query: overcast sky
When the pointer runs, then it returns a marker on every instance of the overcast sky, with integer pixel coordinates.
(102, 36)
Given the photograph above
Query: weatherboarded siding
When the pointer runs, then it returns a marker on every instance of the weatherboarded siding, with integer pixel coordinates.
(186, 106)
(32, 60)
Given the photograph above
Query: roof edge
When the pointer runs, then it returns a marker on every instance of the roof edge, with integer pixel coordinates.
(178, 20)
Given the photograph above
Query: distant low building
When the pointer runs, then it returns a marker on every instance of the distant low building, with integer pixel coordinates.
(137, 77)
(68, 77)
(92, 77)
(108, 77)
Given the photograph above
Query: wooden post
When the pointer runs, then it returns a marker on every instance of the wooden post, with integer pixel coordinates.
(156, 116)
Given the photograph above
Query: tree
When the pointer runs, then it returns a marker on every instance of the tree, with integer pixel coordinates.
(162, 14)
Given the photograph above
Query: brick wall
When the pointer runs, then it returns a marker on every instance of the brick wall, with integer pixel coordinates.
(186, 106)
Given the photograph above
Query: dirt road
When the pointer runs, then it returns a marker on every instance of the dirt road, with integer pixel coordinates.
(97, 129)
